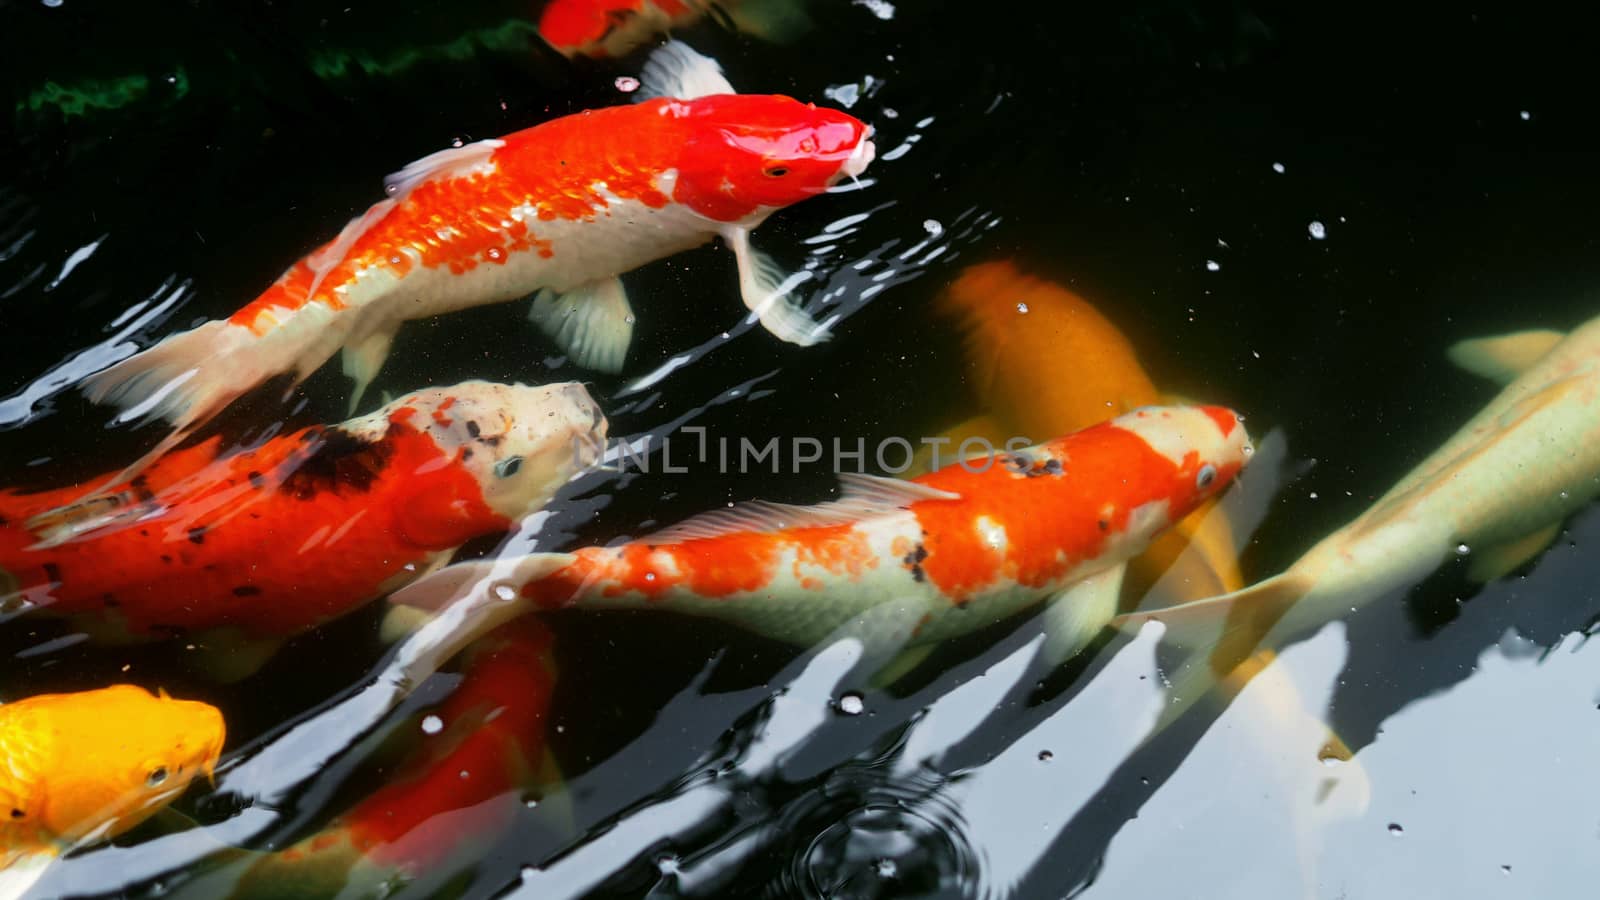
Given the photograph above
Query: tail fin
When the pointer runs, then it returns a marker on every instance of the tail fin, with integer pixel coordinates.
(436, 591)
(172, 381)
(167, 381)
(472, 599)
(1222, 634)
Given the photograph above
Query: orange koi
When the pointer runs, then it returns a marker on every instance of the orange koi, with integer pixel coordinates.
(561, 209)
(273, 540)
(961, 547)
(75, 768)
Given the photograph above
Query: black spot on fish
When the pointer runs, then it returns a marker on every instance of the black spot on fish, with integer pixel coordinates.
(1053, 467)
(17, 813)
(246, 590)
(165, 558)
(4, 521)
(342, 462)
(1104, 525)
(197, 534)
(144, 532)
(472, 428)
(913, 561)
(466, 453)
(52, 572)
(256, 481)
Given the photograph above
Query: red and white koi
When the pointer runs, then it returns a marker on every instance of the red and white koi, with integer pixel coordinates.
(560, 209)
(960, 547)
(273, 540)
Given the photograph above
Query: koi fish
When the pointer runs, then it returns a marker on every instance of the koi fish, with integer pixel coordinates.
(265, 543)
(560, 209)
(78, 768)
(963, 546)
(1500, 487)
(462, 785)
(613, 28)
(1042, 360)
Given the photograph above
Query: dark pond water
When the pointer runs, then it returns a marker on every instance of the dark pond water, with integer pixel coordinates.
(1293, 213)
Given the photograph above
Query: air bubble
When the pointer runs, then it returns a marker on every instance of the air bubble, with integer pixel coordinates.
(1213, 266)
(432, 725)
(887, 869)
(626, 84)
(1046, 756)
(667, 864)
(1395, 829)
(1022, 308)
(505, 592)
(852, 704)
(1277, 167)
(1317, 229)
(1462, 549)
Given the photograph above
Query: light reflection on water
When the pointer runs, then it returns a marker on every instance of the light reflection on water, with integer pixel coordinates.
(1110, 170)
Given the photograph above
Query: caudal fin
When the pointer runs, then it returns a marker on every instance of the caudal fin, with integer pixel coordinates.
(184, 379)
(1220, 635)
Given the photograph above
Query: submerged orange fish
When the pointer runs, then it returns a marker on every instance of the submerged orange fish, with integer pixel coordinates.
(273, 540)
(956, 549)
(611, 28)
(561, 209)
(1042, 360)
(76, 768)
(483, 750)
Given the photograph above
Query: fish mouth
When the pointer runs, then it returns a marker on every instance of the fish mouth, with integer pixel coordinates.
(859, 159)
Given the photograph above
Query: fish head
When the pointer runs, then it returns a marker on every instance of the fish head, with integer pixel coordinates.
(1191, 454)
(122, 755)
(1144, 470)
(520, 443)
(746, 154)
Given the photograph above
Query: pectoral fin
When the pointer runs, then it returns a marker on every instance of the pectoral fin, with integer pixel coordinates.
(1505, 357)
(1497, 562)
(19, 873)
(1075, 615)
(592, 322)
(764, 287)
(363, 359)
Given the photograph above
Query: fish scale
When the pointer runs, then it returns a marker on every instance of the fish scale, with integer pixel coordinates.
(956, 549)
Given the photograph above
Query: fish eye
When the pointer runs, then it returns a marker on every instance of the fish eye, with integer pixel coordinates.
(777, 171)
(508, 467)
(157, 777)
(1207, 475)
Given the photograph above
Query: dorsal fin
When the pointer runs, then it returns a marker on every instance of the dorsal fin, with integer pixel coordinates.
(1505, 357)
(859, 496)
(677, 71)
(448, 160)
(395, 186)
